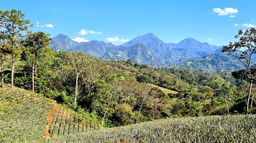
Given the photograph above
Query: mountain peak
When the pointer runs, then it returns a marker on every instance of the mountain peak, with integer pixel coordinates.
(61, 36)
(190, 40)
(150, 40)
(148, 36)
(63, 42)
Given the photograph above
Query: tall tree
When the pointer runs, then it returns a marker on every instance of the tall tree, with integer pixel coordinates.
(3, 45)
(77, 62)
(14, 27)
(2, 63)
(36, 44)
(244, 50)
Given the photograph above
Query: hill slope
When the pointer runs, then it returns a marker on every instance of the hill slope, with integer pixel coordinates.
(218, 62)
(240, 128)
(28, 117)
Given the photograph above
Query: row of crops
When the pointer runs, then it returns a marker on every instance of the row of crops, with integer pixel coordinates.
(214, 129)
(23, 117)
(68, 122)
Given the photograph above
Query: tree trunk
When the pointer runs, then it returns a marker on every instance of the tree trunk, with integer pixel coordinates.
(252, 99)
(77, 76)
(2, 70)
(104, 116)
(249, 97)
(141, 105)
(33, 77)
(13, 68)
(105, 113)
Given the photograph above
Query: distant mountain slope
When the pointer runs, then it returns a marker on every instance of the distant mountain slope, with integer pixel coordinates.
(170, 53)
(212, 63)
(149, 40)
(94, 48)
(138, 53)
(63, 43)
(191, 48)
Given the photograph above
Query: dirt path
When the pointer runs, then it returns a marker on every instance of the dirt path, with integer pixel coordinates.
(50, 119)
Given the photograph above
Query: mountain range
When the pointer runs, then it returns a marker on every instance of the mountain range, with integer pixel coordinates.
(149, 49)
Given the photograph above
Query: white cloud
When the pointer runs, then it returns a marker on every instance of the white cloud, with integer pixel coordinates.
(80, 39)
(116, 40)
(228, 11)
(49, 25)
(38, 25)
(236, 25)
(249, 25)
(86, 32)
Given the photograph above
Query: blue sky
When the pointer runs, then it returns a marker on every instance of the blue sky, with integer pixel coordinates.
(212, 21)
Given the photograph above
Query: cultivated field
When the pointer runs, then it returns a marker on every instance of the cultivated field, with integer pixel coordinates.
(25, 117)
(223, 129)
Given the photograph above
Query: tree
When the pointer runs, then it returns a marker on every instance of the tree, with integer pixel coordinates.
(77, 62)
(242, 74)
(2, 65)
(94, 70)
(244, 50)
(36, 44)
(13, 28)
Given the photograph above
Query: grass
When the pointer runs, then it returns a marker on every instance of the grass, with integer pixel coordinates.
(222, 129)
(164, 90)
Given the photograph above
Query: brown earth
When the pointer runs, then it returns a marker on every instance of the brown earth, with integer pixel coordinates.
(50, 119)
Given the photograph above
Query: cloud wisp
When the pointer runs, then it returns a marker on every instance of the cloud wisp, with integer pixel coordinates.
(117, 40)
(38, 25)
(228, 11)
(249, 25)
(87, 32)
(80, 39)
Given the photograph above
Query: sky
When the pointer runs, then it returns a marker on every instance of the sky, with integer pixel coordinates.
(117, 21)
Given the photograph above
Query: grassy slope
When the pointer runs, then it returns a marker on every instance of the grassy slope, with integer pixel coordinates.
(241, 128)
(25, 117)
(164, 90)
